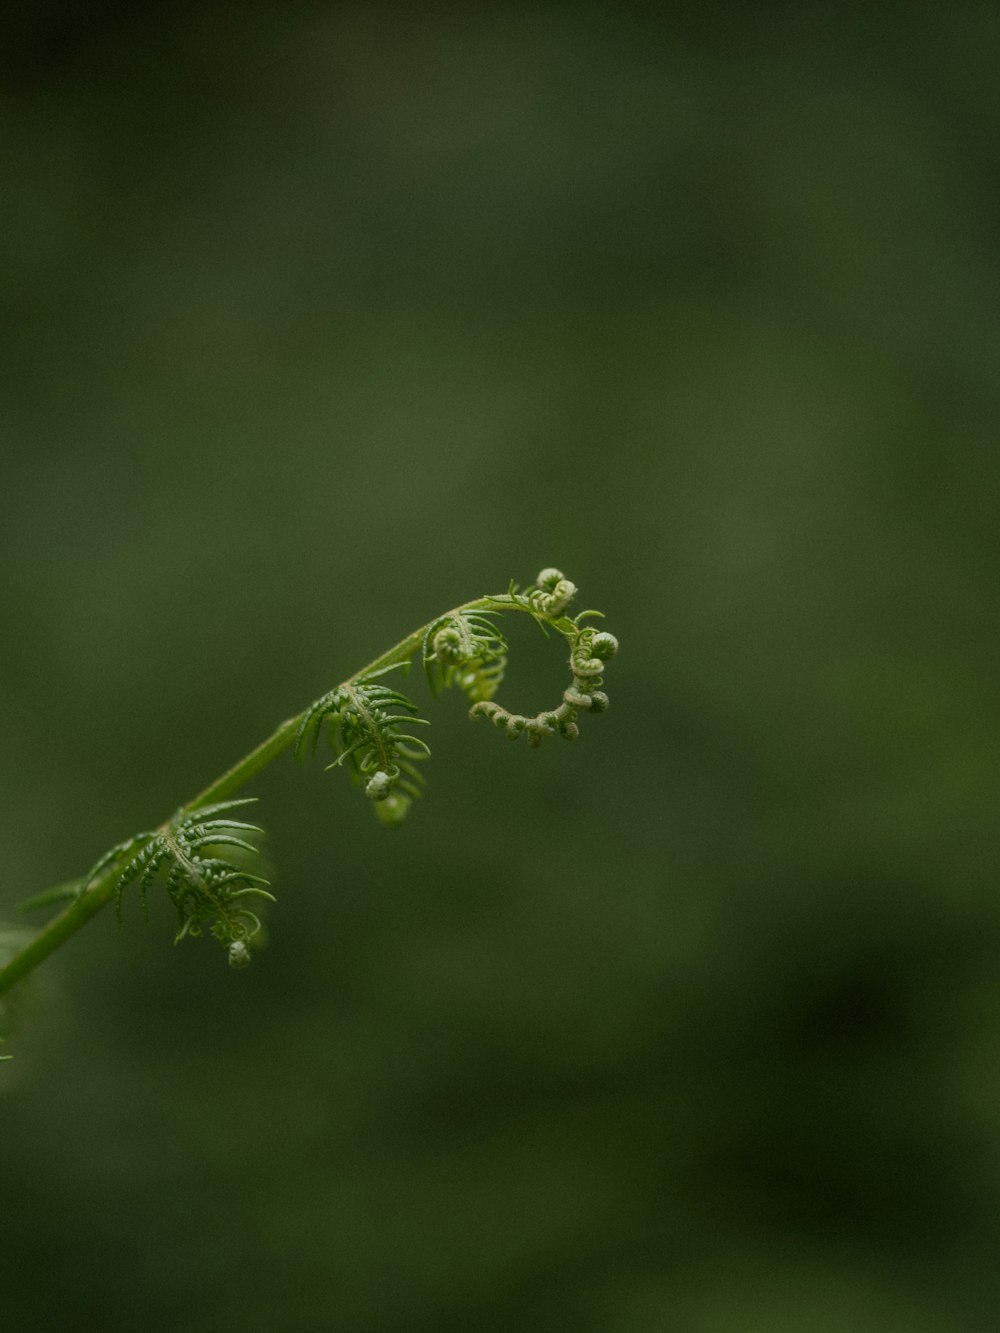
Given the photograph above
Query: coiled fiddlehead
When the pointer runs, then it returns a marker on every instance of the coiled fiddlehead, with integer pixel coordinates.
(207, 890)
(589, 650)
(465, 649)
(552, 593)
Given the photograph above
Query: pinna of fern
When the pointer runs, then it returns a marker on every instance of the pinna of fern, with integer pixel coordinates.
(207, 889)
(367, 721)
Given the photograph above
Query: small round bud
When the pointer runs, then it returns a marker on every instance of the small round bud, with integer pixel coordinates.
(569, 730)
(393, 809)
(239, 954)
(548, 579)
(378, 786)
(448, 644)
(599, 702)
(604, 645)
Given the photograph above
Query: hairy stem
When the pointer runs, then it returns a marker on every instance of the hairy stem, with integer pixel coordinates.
(102, 890)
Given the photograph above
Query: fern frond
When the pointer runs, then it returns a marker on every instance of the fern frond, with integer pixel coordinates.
(207, 890)
(199, 855)
(367, 727)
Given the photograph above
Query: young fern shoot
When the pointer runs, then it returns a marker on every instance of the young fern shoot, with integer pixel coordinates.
(201, 853)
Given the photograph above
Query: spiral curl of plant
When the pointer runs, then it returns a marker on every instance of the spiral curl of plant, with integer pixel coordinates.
(201, 854)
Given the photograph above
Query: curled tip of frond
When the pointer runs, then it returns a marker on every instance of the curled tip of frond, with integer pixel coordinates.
(466, 649)
(589, 648)
(549, 579)
(552, 594)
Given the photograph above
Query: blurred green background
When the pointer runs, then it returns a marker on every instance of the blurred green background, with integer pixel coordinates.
(322, 318)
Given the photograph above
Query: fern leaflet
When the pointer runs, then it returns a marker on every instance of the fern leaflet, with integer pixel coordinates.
(367, 724)
(208, 889)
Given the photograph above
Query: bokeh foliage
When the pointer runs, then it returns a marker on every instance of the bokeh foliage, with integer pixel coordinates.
(325, 318)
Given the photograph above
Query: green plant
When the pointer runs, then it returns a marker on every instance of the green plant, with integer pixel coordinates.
(202, 854)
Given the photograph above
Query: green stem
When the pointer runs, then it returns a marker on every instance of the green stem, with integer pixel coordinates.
(58, 931)
(100, 893)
